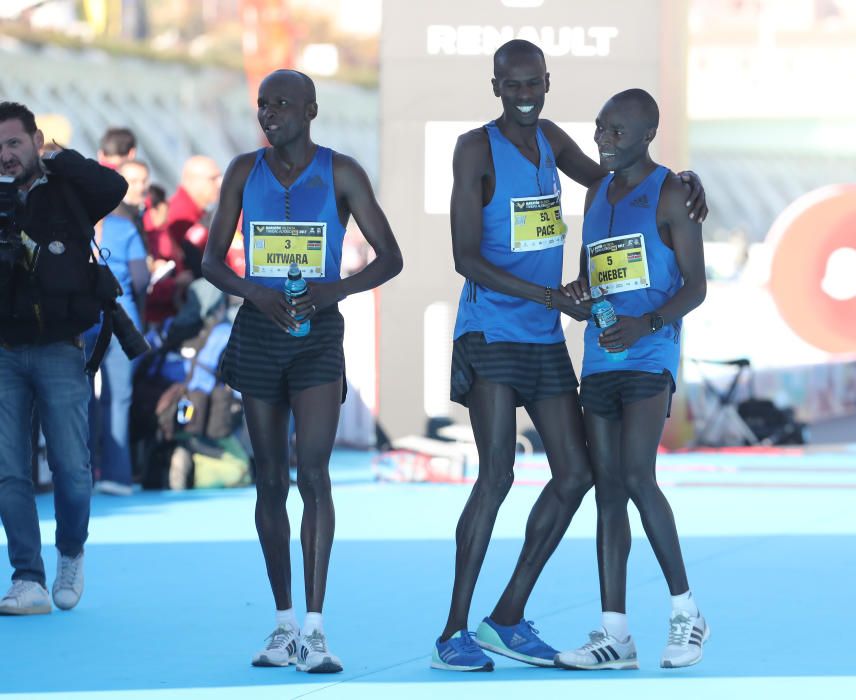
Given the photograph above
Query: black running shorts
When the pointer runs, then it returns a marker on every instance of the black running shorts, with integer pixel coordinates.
(263, 361)
(606, 393)
(535, 371)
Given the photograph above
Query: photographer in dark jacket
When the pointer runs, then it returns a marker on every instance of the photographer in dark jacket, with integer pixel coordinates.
(46, 301)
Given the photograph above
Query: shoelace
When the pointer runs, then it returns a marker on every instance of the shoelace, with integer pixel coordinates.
(18, 587)
(595, 640)
(68, 571)
(468, 641)
(316, 642)
(529, 626)
(679, 630)
(278, 639)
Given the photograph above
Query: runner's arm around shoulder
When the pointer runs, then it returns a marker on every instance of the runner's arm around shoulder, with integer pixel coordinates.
(222, 231)
(469, 166)
(570, 158)
(353, 185)
(686, 238)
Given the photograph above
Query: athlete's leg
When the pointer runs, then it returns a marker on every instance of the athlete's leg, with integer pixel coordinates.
(316, 416)
(268, 427)
(642, 426)
(613, 523)
(558, 421)
(493, 417)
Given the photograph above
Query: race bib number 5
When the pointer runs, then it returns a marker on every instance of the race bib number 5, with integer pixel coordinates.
(536, 223)
(274, 245)
(619, 264)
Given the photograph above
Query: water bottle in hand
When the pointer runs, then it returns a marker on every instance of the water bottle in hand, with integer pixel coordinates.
(603, 313)
(296, 287)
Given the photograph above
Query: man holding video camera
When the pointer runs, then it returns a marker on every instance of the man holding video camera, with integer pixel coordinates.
(50, 292)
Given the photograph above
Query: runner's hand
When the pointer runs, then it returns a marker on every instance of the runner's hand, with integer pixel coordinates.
(623, 333)
(696, 200)
(578, 290)
(317, 297)
(577, 310)
(273, 304)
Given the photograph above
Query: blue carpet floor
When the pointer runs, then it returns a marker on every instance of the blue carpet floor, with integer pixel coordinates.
(177, 601)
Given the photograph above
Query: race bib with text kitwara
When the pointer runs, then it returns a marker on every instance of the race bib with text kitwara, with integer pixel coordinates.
(274, 245)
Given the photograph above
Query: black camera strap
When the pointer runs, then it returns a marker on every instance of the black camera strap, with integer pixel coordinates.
(102, 342)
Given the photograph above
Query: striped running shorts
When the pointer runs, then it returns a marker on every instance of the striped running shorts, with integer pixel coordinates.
(606, 393)
(535, 371)
(263, 361)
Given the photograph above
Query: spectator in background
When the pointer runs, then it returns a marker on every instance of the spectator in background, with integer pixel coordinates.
(133, 206)
(187, 223)
(170, 277)
(109, 444)
(118, 144)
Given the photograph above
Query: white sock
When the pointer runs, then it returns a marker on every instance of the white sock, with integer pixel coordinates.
(615, 625)
(286, 618)
(311, 623)
(685, 603)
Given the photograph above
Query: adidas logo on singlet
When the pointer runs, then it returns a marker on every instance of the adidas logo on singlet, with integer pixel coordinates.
(641, 201)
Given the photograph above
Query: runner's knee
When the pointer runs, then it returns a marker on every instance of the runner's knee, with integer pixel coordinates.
(494, 485)
(313, 483)
(573, 486)
(639, 485)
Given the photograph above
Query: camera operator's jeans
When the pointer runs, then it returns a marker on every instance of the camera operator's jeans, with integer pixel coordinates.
(52, 376)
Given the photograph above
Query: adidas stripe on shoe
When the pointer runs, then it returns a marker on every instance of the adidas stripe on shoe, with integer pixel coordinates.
(281, 649)
(519, 642)
(687, 635)
(602, 651)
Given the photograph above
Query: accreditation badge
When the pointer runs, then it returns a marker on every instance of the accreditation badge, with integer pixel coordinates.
(619, 264)
(274, 245)
(536, 223)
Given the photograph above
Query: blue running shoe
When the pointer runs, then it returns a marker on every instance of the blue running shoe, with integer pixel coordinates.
(460, 653)
(519, 642)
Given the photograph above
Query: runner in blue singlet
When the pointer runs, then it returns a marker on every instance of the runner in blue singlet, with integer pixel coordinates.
(643, 251)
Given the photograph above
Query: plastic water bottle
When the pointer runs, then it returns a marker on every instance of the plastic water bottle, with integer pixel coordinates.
(603, 313)
(296, 287)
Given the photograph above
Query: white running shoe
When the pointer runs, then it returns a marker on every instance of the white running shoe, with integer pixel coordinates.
(687, 635)
(281, 649)
(25, 598)
(601, 651)
(313, 656)
(68, 586)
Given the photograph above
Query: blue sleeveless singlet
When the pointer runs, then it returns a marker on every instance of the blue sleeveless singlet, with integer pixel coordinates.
(499, 316)
(635, 213)
(311, 198)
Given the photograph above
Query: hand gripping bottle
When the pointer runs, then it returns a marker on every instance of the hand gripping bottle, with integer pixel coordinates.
(603, 313)
(296, 287)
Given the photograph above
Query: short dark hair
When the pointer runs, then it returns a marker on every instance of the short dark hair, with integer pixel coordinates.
(14, 110)
(157, 195)
(646, 104)
(515, 47)
(117, 141)
(308, 83)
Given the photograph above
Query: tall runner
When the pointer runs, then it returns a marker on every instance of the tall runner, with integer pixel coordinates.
(296, 199)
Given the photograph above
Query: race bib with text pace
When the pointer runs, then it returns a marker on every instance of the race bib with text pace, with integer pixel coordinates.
(536, 223)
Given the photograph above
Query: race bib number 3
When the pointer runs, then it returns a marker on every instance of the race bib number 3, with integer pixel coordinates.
(536, 223)
(619, 264)
(274, 245)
